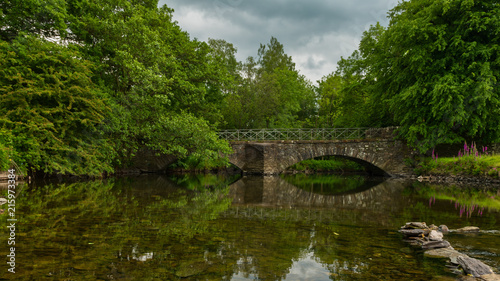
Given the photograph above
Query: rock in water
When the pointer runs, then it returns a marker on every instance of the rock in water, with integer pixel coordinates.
(412, 232)
(436, 244)
(449, 252)
(443, 228)
(473, 267)
(468, 229)
(435, 236)
(410, 225)
(490, 277)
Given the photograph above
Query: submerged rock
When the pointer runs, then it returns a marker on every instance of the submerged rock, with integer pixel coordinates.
(468, 229)
(473, 266)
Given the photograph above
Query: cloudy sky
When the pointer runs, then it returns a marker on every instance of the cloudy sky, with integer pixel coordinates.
(316, 33)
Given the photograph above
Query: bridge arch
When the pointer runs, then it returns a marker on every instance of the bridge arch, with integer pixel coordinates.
(381, 157)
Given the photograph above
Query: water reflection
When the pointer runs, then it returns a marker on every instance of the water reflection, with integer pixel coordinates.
(466, 204)
(278, 191)
(257, 228)
(333, 184)
(467, 201)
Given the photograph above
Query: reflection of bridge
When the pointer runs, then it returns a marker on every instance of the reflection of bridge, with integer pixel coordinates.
(272, 151)
(273, 191)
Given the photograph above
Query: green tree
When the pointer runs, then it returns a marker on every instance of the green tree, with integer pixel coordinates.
(46, 18)
(329, 100)
(223, 57)
(140, 81)
(51, 108)
(445, 67)
(159, 78)
(272, 92)
(438, 68)
(362, 92)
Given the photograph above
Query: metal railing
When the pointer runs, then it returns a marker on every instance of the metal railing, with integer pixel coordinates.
(303, 134)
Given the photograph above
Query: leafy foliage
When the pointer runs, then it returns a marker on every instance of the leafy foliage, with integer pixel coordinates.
(52, 108)
(445, 70)
(436, 67)
(157, 74)
(46, 18)
(272, 93)
(133, 78)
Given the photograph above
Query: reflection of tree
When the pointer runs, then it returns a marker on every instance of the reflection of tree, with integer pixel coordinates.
(97, 228)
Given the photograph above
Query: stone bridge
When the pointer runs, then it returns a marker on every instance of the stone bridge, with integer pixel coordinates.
(376, 150)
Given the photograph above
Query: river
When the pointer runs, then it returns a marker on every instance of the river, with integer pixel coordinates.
(211, 227)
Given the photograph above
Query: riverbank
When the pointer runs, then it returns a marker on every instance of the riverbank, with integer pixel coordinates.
(471, 164)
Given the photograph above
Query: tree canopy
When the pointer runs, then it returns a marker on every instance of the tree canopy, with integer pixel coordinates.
(444, 59)
(78, 76)
(52, 108)
(271, 94)
(435, 67)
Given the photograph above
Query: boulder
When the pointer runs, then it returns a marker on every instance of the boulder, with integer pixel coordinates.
(435, 235)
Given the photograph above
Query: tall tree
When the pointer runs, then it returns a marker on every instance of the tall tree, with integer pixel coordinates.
(272, 56)
(52, 108)
(156, 74)
(272, 92)
(160, 86)
(362, 92)
(444, 70)
(329, 100)
(437, 66)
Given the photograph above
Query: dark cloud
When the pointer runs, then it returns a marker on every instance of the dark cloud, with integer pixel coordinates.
(316, 33)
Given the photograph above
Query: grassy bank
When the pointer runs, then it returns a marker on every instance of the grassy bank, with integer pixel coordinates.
(471, 161)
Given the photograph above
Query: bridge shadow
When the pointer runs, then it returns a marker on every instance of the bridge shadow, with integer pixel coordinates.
(274, 191)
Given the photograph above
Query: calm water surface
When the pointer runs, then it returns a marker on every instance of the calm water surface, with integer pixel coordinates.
(255, 228)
